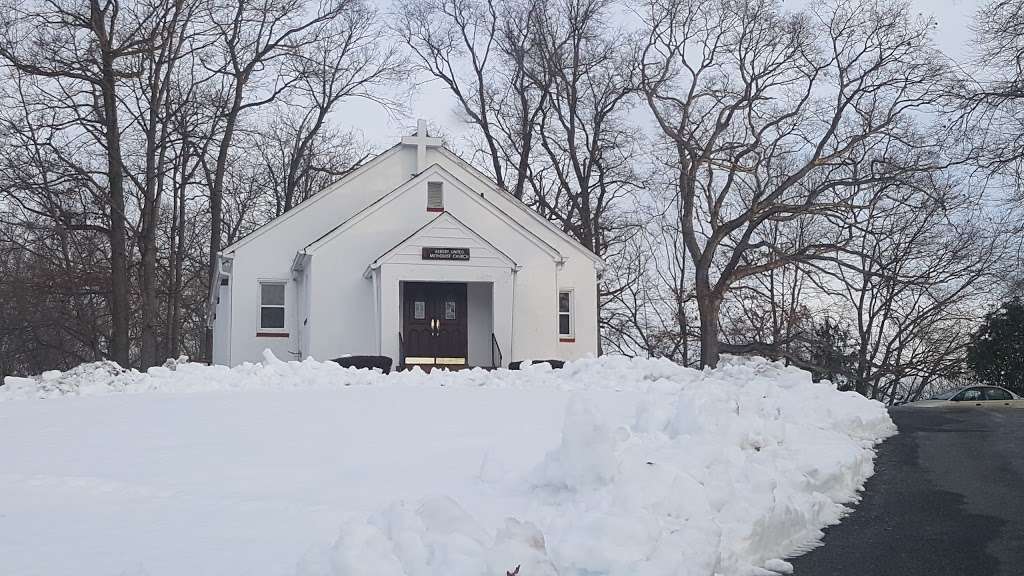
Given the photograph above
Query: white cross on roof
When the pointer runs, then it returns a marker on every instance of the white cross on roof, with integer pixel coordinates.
(421, 141)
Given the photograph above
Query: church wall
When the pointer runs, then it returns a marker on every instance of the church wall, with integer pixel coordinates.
(577, 273)
(222, 325)
(269, 255)
(246, 346)
(479, 301)
(339, 305)
(344, 297)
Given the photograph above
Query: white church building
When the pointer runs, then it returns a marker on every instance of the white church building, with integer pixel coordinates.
(415, 255)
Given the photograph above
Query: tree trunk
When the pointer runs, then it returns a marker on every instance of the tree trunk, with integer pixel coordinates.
(861, 383)
(178, 255)
(681, 320)
(119, 297)
(150, 222)
(171, 334)
(157, 130)
(216, 204)
(216, 210)
(150, 298)
(709, 306)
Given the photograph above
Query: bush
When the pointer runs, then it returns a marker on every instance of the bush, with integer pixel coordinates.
(369, 362)
(556, 364)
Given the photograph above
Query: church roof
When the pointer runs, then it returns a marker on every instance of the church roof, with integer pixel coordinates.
(485, 179)
(314, 199)
(435, 170)
(479, 176)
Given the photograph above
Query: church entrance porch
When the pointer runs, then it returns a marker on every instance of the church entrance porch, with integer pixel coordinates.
(447, 324)
(435, 329)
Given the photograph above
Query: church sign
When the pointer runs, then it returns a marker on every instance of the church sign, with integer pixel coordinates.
(445, 253)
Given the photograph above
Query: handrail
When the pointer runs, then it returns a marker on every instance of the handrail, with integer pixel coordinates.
(495, 350)
(401, 350)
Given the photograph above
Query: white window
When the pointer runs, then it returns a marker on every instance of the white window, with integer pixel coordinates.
(272, 305)
(565, 314)
(435, 196)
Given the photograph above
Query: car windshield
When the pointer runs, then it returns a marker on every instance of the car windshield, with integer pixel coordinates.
(945, 395)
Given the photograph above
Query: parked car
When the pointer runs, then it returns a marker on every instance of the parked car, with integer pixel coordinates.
(973, 396)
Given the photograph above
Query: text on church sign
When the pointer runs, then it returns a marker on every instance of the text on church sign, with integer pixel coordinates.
(445, 253)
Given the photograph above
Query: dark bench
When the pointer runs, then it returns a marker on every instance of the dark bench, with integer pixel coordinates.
(556, 364)
(369, 362)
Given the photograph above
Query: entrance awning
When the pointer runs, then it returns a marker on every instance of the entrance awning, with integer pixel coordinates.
(444, 240)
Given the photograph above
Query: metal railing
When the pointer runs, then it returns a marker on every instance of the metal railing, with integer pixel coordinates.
(495, 352)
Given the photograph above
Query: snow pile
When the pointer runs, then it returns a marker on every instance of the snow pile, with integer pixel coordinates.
(95, 377)
(657, 469)
(721, 472)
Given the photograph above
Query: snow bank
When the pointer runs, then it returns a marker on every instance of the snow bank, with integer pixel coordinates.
(658, 469)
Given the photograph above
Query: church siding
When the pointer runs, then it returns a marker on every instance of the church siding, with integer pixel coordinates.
(335, 310)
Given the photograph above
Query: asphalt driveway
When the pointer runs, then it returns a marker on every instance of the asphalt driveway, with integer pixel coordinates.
(947, 498)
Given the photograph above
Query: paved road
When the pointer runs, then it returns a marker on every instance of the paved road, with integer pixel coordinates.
(947, 498)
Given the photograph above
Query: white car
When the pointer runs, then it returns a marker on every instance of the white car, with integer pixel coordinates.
(973, 396)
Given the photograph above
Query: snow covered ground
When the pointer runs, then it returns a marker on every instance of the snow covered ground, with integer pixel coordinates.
(611, 466)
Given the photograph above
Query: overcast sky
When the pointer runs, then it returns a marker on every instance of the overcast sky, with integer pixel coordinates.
(432, 103)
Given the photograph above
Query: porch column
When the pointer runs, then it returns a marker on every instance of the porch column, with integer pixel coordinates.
(503, 310)
(390, 323)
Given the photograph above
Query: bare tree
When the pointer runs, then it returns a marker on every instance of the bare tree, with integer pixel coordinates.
(548, 86)
(153, 83)
(129, 128)
(87, 50)
(298, 164)
(589, 149)
(650, 314)
(480, 51)
(346, 60)
(55, 279)
(914, 280)
(251, 43)
(988, 105)
(772, 116)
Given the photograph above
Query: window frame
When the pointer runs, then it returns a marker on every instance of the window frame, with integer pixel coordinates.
(262, 330)
(571, 313)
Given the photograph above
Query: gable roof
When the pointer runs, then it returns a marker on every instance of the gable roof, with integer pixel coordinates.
(478, 175)
(443, 217)
(487, 181)
(431, 171)
(312, 200)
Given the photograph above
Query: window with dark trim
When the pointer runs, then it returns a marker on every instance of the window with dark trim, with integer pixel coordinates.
(272, 305)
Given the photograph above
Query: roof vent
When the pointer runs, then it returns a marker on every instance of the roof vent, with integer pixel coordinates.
(435, 197)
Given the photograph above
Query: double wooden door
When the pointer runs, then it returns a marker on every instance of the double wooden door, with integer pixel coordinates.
(434, 323)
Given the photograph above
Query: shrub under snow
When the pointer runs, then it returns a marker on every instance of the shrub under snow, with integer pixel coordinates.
(658, 470)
